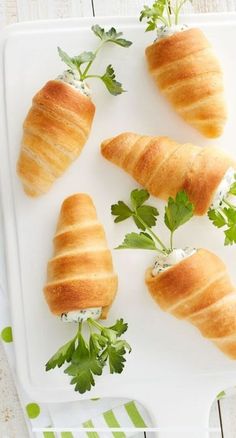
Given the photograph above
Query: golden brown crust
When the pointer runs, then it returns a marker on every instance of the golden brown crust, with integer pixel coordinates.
(69, 104)
(170, 176)
(76, 210)
(187, 68)
(71, 265)
(90, 236)
(219, 319)
(157, 151)
(80, 274)
(180, 281)
(187, 71)
(181, 44)
(199, 290)
(79, 294)
(205, 175)
(164, 166)
(205, 297)
(55, 131)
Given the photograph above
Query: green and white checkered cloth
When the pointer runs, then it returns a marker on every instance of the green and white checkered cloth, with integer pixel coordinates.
(67, 417)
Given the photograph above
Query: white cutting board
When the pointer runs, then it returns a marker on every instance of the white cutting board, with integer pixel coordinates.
(173, 370)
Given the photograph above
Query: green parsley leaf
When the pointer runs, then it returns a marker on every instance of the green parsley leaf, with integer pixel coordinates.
(123, 344)
(116, 348)
(233, 189)
(217, 218)
(109, 79)
(144, 216)
(84, 364)
(138, 197)
(153, 14)
(121, 210)
(230, 235)
(139, 224)
(96, 363)
(64, 354)
(76, 61)
(98, 31)
(119, 327)
(148, 215)
(226, 216)
(151, 26)
(82, 378)
(111, 36)
(162, 12)
(178, 211)
(138, 241)
(230, 214)
(83, 58)
(88, 359)
(99, 341)
(95, 344)
(66, 58)
(116, 359)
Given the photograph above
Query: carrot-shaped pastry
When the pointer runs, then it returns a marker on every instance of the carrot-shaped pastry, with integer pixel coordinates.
(185, 68)
(59, 121)
(164, 167)
(197, 287)
(189, 283)
(81, 286)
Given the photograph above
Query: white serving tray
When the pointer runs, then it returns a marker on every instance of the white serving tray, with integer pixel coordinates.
(172, 370)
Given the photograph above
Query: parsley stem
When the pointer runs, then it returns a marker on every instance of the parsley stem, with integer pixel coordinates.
(95, 323)
(177, 10)
(223, 214)
(93, 76)
(164, 21)
(176, 16)
(80, 327)
(228, 203)
(168, 10)
(153, 235)
(171, 240)
(84, 74)
(80, 73)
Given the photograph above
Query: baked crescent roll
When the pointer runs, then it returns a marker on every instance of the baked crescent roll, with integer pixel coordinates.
(199, 290)
(165, 167)
(55, 130)
(80, 274)
(187, 72)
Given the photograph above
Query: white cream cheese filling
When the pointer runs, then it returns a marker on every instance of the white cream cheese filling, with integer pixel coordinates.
(164, 262)
(72, 78)
(167, 31)
(223, 188)
(82, 314)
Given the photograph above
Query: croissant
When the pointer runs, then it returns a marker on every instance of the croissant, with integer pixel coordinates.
(164, 166)
(80, 275)
(55, 131)
(188, 73)
(199, 290)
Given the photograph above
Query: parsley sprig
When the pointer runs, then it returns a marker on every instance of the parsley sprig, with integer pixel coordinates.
(162, 12)
(87, 358)
(178, 211)
(225, 216)
(82, 63)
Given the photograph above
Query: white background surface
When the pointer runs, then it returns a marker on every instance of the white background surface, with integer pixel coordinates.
(40, 9)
